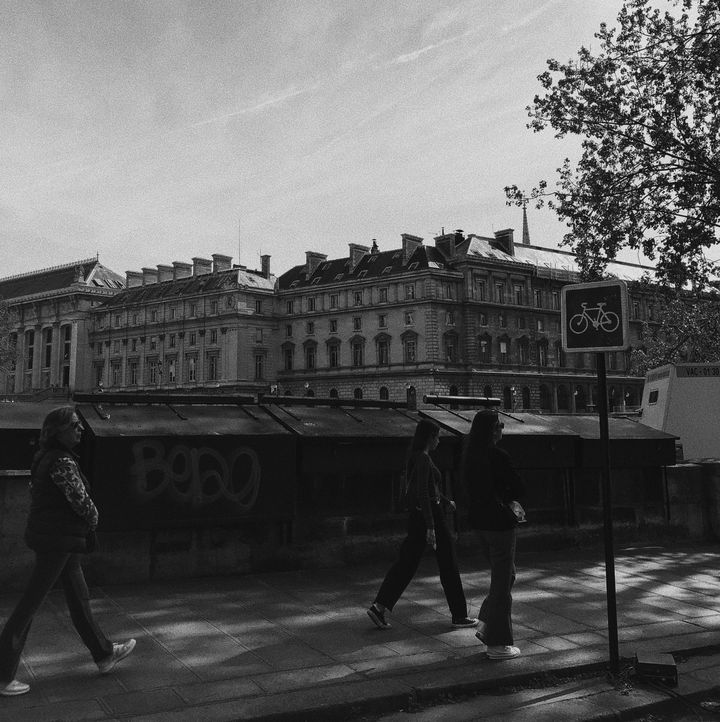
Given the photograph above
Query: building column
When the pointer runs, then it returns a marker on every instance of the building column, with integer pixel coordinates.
(72, 376)
(19, 366)
(55, 355)
(35, 377)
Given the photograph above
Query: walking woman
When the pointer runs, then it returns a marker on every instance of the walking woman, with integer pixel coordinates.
(61, 527)
(426, 525)
(490, 480)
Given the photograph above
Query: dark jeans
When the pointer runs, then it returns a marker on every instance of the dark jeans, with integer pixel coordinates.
(499, 549)
(411, 550)
(48, 568)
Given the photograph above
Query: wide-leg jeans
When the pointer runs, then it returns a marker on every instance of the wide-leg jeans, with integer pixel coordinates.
(411, 550)
(48, 568)
(498, 548)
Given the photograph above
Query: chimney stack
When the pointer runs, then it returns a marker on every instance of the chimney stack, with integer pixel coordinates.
(149, 276)
(356, 253)
(201, 266)
(265, 265)
(409, 245)
(446, 244)
(504, 240)
(133, 279)
(221, 262)
(165, 273)
(181, 270)
(313, 260)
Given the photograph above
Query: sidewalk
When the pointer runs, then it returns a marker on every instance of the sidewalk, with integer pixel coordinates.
(299, 645)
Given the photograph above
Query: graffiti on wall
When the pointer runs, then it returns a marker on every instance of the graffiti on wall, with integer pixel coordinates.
(195, 476)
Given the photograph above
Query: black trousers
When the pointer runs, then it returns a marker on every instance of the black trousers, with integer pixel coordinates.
(498, 548)
(403, 570)
(48, 568)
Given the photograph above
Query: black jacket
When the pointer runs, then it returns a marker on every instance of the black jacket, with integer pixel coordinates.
(485, 485)
(53, 525)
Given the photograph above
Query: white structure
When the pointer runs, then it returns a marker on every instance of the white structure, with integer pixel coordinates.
(684, 400)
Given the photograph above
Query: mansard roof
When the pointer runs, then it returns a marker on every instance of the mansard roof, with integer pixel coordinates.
(370, 266)
(549, 262)
(229, 279)
(77, 274)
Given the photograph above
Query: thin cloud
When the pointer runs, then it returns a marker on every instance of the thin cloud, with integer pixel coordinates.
(255, 108)
(411, 57)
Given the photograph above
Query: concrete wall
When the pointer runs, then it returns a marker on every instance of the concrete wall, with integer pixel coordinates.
(689, 509)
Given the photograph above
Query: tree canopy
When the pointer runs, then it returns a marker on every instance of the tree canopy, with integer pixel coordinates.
(688, 331)
(647, 107)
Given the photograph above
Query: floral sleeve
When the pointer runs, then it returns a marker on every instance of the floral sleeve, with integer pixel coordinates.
(66, 476)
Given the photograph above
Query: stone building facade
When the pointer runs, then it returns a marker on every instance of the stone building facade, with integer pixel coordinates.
(206, 325)
(50, 309)
(464, 315)
(471, 316)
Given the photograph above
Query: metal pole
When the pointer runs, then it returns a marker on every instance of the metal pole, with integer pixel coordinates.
(607, 514)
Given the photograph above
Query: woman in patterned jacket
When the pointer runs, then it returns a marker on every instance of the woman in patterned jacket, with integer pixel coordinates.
(61, 526)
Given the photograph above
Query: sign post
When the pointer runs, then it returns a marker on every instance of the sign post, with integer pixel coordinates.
(595, 319)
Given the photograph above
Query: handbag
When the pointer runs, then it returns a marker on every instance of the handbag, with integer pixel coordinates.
(513, 512)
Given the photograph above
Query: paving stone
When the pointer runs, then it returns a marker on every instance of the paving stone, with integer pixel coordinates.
(154, 700)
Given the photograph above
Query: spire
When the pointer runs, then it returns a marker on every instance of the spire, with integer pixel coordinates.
(526, 230)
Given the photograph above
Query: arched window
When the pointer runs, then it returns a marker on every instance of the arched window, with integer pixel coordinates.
(484, 347)
(545, 402)
(504, 350)
(523, 346)
(507, 398)
(382, 349)
(525, 397)
(309, 392)
(563, 398)
(357, 351)
(384, 393)
(542, 352)
(450, 346)
(357, 393)
(580, 399)
(333, 393)
(487, 391)
(410, 348)
(613, 399)
(333, 353)
(288, 352)
(310, 349)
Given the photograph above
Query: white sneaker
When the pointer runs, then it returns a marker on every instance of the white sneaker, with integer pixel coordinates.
(504, 652)
(120, 651)
(14, 688)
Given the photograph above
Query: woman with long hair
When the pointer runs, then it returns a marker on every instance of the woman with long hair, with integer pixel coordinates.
(426, 525)
(490, 481)
(61, 526)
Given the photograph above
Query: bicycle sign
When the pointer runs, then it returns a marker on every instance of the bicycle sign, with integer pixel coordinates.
(595, 316)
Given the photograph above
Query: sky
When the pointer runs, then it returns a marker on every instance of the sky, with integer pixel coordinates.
(156, 131)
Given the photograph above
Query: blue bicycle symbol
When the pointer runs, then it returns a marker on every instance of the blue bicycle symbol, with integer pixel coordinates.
(608, 321)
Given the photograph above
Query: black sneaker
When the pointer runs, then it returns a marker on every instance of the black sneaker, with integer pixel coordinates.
(464, 622)
(378, 617)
